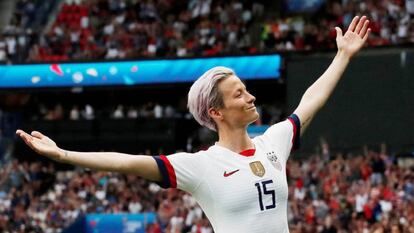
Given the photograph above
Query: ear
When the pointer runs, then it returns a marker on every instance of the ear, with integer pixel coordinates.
(215, 114)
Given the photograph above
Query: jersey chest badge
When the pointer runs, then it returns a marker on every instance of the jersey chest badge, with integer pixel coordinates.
(257, 168)
(273, 159)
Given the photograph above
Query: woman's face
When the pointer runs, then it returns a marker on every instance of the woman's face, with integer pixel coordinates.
(239, 109)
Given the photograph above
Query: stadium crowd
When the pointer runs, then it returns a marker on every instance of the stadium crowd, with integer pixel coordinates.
(269, 114)
(329, 192)
(365, 192)
(34, 197)
(108, 29)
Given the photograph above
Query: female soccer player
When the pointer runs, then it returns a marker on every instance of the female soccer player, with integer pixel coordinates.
(240, 183)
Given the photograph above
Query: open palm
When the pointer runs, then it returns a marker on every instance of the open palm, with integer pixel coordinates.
(354, 37)
(40, 144)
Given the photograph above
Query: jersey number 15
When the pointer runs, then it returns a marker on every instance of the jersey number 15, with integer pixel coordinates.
(262, 190)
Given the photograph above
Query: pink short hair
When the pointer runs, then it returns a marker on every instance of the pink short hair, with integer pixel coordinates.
(204, 94)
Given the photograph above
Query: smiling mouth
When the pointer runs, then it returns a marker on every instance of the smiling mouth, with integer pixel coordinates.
(253, 107)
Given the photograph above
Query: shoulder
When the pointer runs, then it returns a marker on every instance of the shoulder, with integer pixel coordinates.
(188, 155)
(285, 134)
(192, 159)
(183, 170)
(276, 132)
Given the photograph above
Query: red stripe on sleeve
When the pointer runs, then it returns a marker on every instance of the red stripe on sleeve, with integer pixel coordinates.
(294, 130)
(171, 172)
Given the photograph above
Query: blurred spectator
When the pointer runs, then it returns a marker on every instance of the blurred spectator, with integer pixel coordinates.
(132, 113)
(158, 111)
(119, 112)
(88, 113)
(74, 113)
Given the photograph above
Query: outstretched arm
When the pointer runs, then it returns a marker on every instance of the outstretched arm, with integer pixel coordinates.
(141, 165)
(318, 93)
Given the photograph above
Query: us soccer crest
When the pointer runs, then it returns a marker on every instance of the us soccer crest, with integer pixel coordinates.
(257, 168)
(274, 160)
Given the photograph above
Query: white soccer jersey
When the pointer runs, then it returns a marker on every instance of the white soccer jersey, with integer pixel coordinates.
(239, 192)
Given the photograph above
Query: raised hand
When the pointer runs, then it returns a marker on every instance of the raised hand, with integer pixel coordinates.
(354, 37)
(41, 144)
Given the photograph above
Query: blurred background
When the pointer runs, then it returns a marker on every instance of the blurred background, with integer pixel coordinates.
(113, 75)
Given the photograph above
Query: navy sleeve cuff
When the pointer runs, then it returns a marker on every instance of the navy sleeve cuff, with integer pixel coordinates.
(296, 131)
(165, 183)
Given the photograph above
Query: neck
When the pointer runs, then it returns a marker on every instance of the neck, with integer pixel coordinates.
(236, 140)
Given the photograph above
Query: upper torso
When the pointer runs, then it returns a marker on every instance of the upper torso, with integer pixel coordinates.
(238, 193)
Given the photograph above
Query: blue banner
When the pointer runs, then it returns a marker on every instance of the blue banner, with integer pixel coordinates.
(118, 223)
(303, 5)
(256, 130)
(134, 72)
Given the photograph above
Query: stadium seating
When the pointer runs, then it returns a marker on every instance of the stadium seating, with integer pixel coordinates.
(329, 191)
(89, 30)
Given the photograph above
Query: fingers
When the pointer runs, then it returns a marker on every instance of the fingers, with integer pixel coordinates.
(25, 137)
(19, 131)
(364, 29)
(37, 134)
(338, 32)
(366, 35)
(360, 24)
(23, 134)
(353, 24)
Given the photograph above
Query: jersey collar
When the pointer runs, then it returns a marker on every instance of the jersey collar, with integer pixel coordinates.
(245, 153)
(248, 152)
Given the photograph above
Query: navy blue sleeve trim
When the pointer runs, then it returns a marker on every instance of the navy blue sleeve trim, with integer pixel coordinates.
(296, 134)
(165, 183)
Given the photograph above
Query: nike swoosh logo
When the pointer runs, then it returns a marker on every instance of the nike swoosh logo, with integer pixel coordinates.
(230, 173)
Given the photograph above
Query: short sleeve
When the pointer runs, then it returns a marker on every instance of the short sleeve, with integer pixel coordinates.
(181, 170)
(284, 135)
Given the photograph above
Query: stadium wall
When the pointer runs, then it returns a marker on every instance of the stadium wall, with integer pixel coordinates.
(373, 103)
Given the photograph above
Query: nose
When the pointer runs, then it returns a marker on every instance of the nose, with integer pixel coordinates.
(251, 98)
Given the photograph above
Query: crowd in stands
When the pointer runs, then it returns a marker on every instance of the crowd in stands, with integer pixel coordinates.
(368, 192)
(22, 32)
(34, 197)
(125, 29)
(391, 23)
(365, 192)
(269, 114)
(130, 29)
(89, 112)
